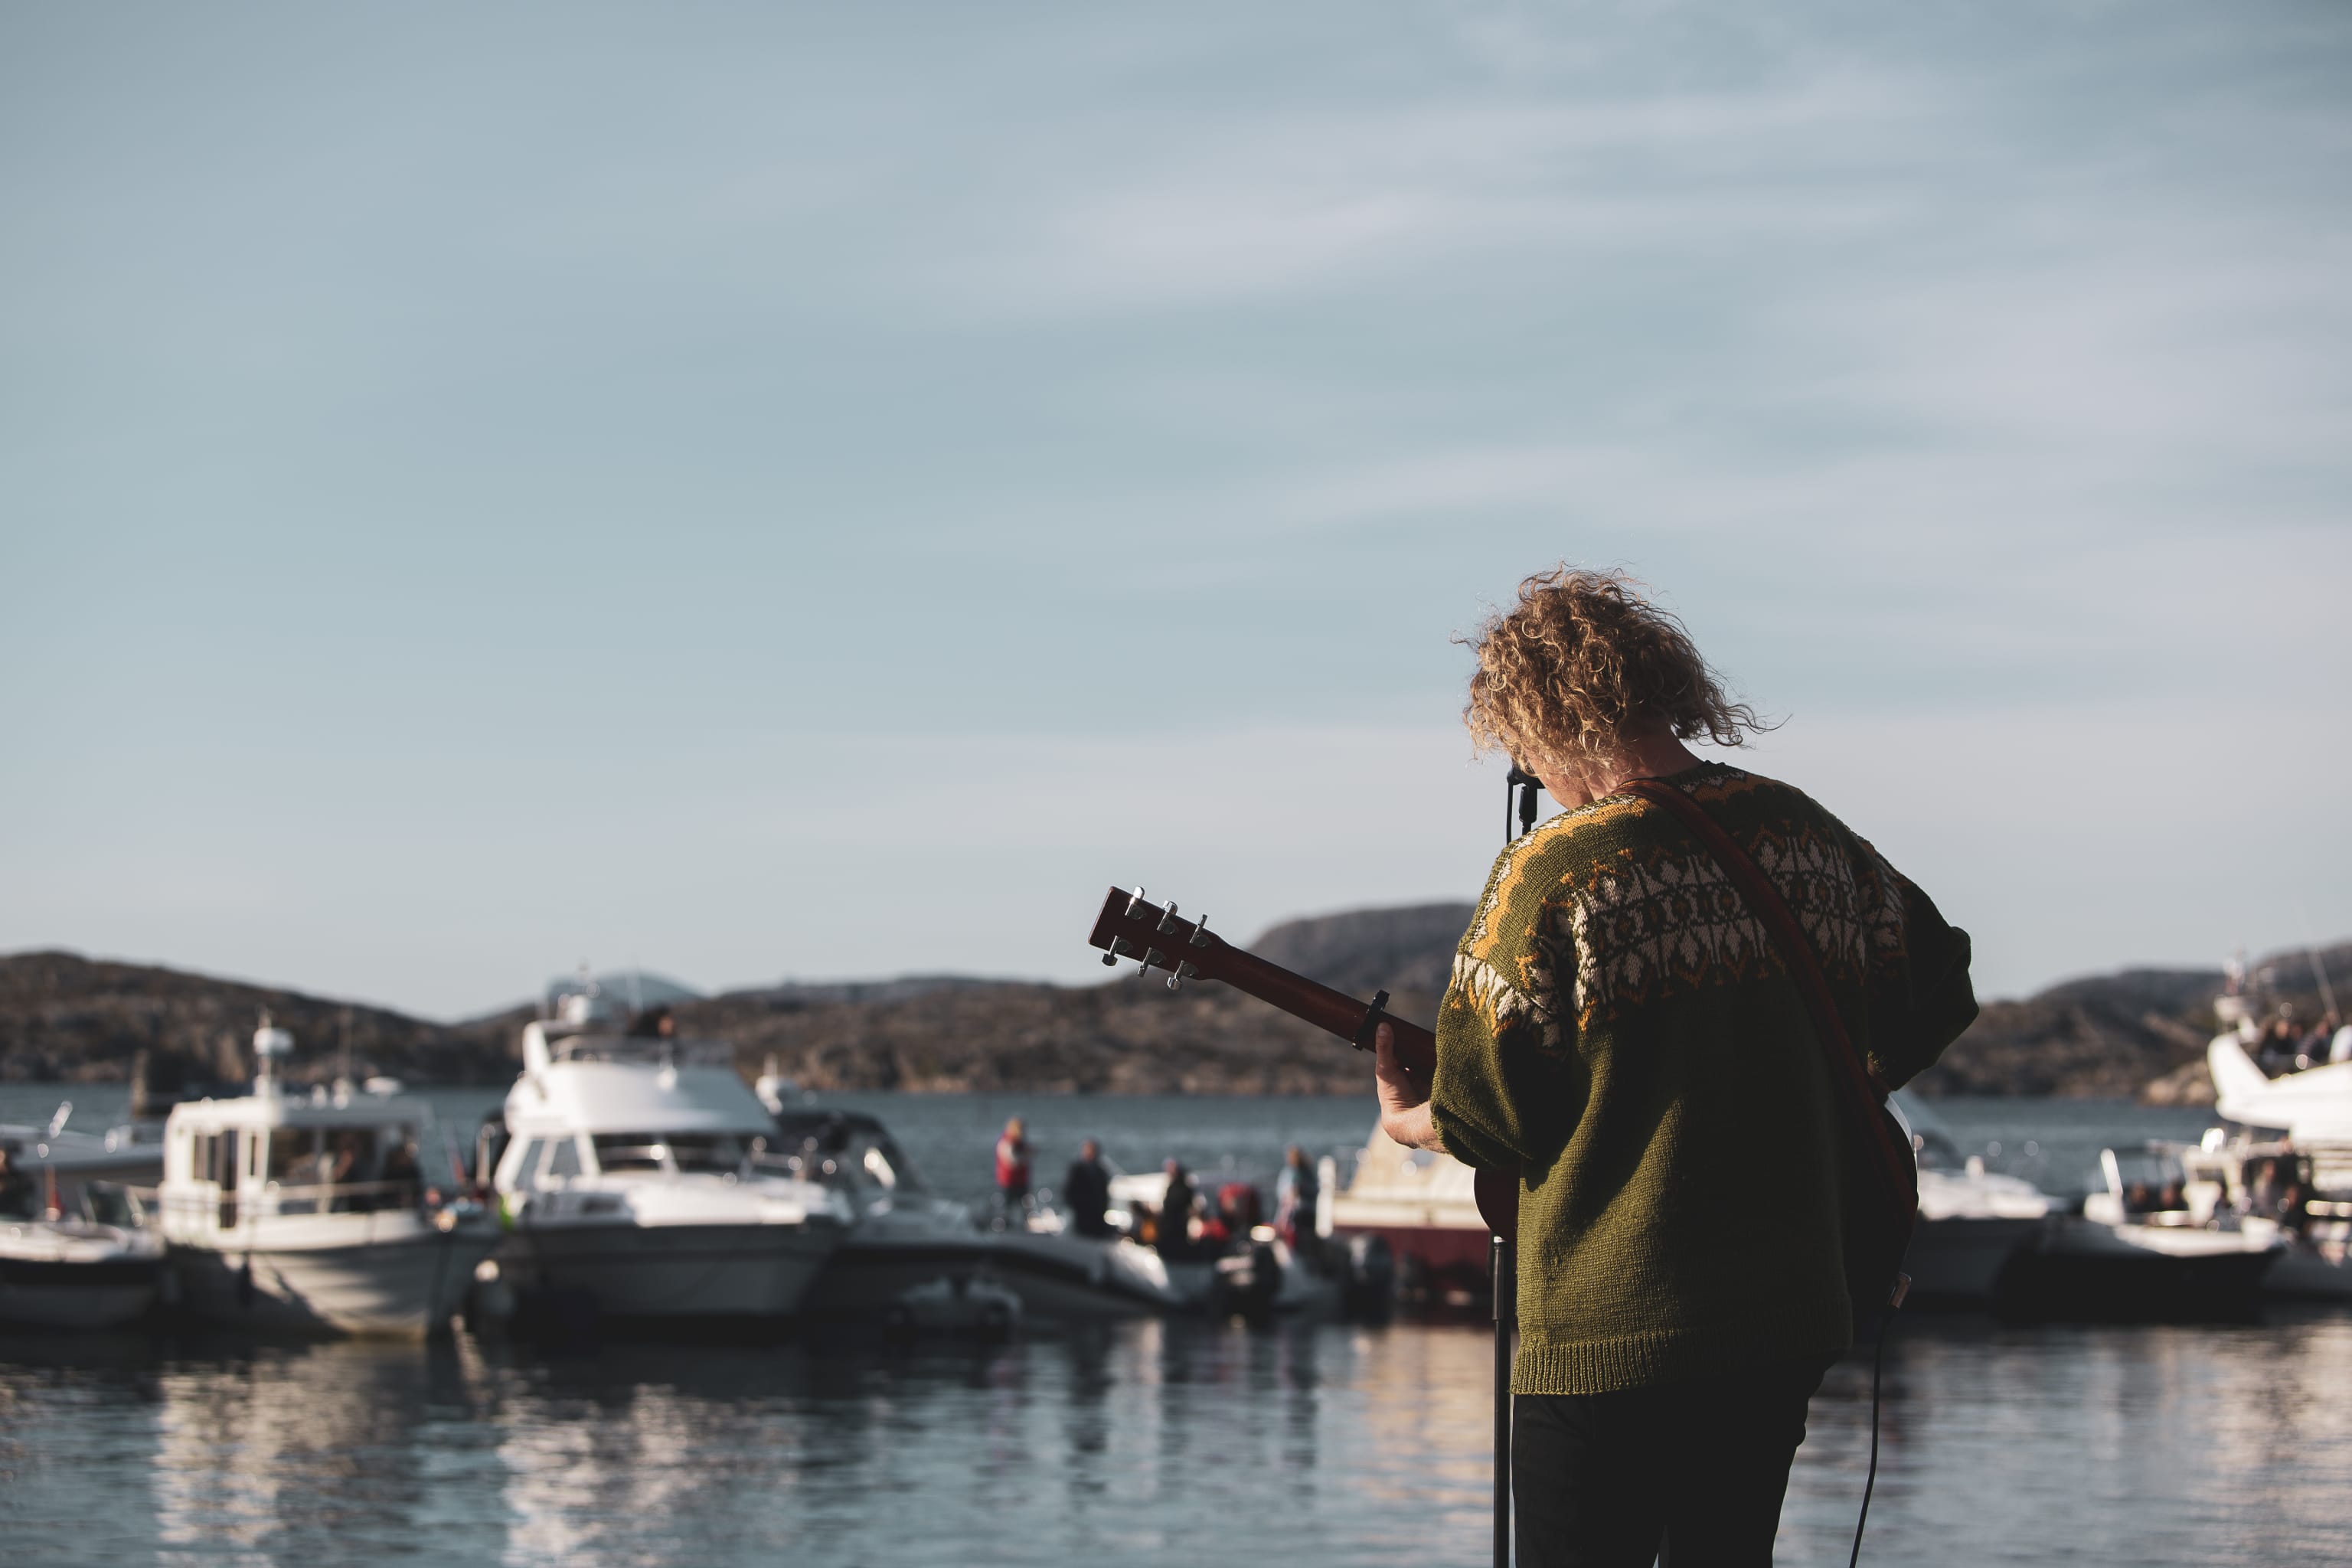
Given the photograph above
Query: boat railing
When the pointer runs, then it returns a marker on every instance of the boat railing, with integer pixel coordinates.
(276, 1200)
(644, 1049)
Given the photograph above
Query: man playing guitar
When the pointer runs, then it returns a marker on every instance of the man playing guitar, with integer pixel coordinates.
(1633, 1027)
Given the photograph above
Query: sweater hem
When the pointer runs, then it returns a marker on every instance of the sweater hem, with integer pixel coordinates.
(1546, 1365)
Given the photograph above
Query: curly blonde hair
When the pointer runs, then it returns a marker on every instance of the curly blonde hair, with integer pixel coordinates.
(1581, 660)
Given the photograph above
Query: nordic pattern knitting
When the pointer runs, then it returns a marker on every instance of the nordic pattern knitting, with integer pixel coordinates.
(1621, 1026)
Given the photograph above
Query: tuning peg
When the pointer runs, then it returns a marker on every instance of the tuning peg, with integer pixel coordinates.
(1135, 901)
(1201, 932)
(1110, 960)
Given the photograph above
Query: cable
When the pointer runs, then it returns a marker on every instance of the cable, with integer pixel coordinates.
(1877, 1373)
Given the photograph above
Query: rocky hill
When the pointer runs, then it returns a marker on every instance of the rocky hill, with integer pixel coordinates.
(64, 1018)
(2141, 1032)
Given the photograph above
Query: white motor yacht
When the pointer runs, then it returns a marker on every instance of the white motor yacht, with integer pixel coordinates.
(1971, 1220)
(288, 1212)
(642, 1176)
(2313, 1106)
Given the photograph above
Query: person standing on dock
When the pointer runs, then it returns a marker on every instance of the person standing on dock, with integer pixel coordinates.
(1086, 1187)
(1013, 1175)
(1622, 1030)
(1295, 1193)
(1173, 1231)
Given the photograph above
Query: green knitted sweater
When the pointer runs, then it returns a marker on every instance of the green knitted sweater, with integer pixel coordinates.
(1620, 1028)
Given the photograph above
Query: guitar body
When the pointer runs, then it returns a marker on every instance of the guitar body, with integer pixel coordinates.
(1498, 1202)
(1156, 938)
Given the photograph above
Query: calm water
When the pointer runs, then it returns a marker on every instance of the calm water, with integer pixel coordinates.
(1152, 1444)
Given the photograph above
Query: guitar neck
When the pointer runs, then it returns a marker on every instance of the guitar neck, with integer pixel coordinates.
(1154, 936)
(1334, 1012)
(1128, 927)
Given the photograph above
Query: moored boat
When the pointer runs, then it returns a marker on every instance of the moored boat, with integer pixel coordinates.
(1422, 1207)
(643, 1179)
(2138, 1250)
(77, 1273)
(287, 1213)
(75, 1249)
(1971, 1220)
(904, 1238)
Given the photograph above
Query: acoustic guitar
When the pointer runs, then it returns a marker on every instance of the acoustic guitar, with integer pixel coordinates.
(1156, 937)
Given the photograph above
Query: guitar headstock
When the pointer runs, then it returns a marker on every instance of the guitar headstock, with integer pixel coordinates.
(1154, 936)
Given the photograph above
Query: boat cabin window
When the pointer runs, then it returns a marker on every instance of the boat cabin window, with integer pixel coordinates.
(628, 1152)
(692, 1153)
(212, 1157)
(705, 1151)
(526, 1163)
(563, 1159)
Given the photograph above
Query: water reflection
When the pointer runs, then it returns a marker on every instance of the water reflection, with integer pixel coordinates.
(278, 1454)
(1149, 1444)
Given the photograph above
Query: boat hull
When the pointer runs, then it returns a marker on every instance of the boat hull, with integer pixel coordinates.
(672, 1271)
(404, 1287)
(1081, 1278)
(1959, 1261)
(2080, 1269)
(2307, 1272)
(865, 1278)
(40, 1293)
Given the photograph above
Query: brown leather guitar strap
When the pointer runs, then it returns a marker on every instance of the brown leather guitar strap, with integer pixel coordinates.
(1860, 1094)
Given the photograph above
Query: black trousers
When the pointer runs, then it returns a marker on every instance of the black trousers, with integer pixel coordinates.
(1688, 1474)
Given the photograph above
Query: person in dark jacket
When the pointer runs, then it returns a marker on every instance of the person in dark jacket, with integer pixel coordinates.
(1086, 1187)
(1175, 1230)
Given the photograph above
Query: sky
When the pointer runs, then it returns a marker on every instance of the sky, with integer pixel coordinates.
(795, 492)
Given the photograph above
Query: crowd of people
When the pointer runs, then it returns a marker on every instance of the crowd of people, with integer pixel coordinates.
(1184, 1223)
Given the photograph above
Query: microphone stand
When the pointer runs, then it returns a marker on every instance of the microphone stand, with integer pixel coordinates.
(1520, 791)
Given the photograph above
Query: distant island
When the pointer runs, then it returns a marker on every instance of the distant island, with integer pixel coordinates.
(2140, 1033)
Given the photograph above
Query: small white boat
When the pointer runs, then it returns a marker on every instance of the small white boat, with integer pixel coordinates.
(1251, 1274)
(2140, 1250)
(2269, 1187)
(75, 1250)
(76, 1273)
(288, 1213)
(904, 1238)
(1971, 1220)
(642, 1178)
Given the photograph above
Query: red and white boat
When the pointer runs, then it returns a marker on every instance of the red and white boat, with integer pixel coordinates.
(1420, 1206)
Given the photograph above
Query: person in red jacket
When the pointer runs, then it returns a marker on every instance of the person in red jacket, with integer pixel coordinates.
(1013, 1174)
